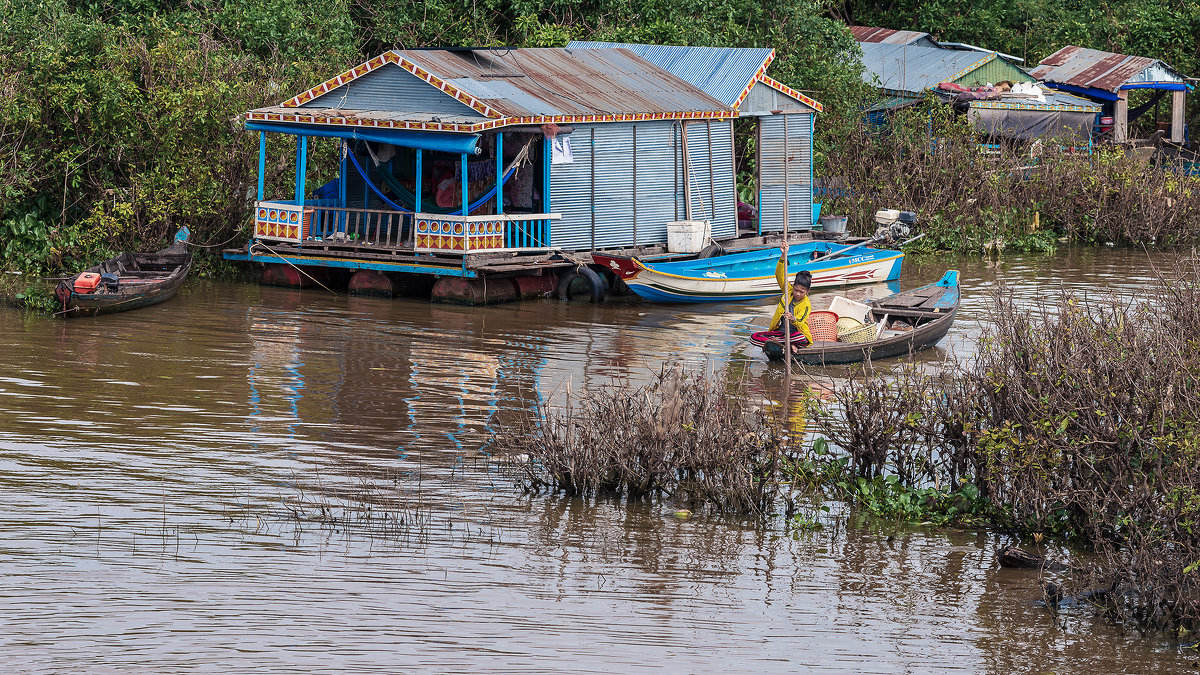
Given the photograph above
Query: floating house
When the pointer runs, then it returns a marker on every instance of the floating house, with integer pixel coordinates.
(1107, 78)
(903, 73)
(504, 162)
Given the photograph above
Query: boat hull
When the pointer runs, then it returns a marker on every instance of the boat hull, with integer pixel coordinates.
(839, 353)
(750, 275)
(930, 308)
(144, 279)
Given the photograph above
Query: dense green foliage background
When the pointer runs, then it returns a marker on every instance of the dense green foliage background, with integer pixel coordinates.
(118, 117)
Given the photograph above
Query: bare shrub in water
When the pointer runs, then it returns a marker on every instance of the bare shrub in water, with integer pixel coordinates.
(701, 442)
(1080, 418)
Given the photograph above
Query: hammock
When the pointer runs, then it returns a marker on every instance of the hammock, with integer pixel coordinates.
(406, 195)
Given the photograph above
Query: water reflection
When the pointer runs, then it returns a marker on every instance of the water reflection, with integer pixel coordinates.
(152, 466)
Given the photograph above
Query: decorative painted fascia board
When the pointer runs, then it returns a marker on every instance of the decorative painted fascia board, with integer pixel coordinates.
(762, 70)
(1034, 106)
(301, 118)
(784, 89)
(977, 64)
(394, 59)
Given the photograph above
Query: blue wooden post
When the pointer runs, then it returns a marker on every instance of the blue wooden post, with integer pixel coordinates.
(547, 155)
(463, 180)
(262, 163)
(342, 216)
(417, 201)
(301, 167)
(499, 172)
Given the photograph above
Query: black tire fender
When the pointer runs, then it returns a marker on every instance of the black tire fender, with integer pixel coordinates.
(595, 284)
(606, 278)
(710, 251)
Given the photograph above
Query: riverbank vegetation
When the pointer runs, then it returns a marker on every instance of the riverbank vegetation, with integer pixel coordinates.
(1027, 197)
(119, 119)
(1076, 422)
(1078, 419)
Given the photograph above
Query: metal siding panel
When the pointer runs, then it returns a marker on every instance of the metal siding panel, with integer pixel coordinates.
(772, 154)
(762, 99)
(614, 185)
(658, 191)
(994, 71)
(724, 223)
(394, 89)
(571, 194)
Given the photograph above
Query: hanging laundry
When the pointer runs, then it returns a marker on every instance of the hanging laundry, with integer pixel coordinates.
(560, 150)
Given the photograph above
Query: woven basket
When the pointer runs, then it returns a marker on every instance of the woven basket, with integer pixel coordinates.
(864, 332)
(823, 326)
(846, 324)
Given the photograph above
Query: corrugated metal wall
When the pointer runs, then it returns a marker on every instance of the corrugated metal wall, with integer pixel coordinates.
(391, 88)
(609, 202)
(994, 71)
(796, 149)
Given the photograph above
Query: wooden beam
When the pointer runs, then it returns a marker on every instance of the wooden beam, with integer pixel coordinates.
(1121, 117)
(1177, 108)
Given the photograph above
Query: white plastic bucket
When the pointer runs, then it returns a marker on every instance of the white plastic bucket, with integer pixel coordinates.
(687, 236)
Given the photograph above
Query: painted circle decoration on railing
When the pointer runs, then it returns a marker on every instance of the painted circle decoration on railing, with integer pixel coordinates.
(445, 228)
(474, 228)
(295, 217)
(458, 228)
(262, 214)
(274, 214)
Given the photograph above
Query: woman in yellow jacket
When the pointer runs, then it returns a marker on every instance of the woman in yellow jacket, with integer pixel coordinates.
(796, 311)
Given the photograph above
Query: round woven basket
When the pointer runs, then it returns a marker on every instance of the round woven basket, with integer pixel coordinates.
(823, 325)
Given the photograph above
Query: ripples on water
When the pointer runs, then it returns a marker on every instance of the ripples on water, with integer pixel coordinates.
(150, 464)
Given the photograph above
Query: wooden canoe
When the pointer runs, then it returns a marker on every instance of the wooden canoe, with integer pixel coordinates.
(143, 279)
(929, 310)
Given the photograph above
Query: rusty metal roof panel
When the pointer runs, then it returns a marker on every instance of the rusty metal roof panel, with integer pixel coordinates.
(545, 82)
(1097, 69)
(890, 36)
(725, 73)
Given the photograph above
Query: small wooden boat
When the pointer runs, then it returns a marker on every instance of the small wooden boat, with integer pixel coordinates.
(924, 313)
(751, 275)
(128, 281)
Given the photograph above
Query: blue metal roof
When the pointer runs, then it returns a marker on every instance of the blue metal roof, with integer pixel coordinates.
(721, 72)
(915, 69)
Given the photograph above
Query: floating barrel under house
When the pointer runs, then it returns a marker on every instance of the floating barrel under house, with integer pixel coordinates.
(483, 175)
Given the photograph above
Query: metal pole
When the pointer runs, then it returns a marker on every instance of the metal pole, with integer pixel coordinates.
(687, 176)
(417, 200)
(635, 185)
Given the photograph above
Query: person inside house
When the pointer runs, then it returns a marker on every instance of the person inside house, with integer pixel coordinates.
(795, 312)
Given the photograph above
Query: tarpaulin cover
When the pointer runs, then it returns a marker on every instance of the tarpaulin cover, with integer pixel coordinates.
(1031, 124)
(424, 140)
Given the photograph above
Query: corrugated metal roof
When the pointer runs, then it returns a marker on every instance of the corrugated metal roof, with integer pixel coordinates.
(889, 36)
(545, 82)
(721, 72)
(1092, 68)
(914, 69)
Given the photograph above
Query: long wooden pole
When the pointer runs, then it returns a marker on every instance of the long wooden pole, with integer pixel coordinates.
(783, 255)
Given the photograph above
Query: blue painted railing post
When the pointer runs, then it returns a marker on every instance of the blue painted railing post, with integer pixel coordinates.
(547, 156)
(262, 164)
(342, 216)
(463, 180)
(301, 168)
(499, 172)
(417, 201)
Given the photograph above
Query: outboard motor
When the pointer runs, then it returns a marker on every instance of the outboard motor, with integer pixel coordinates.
(893, 225)
(111, 281)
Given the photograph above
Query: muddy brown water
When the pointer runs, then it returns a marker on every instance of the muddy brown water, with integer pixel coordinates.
(163, 475)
